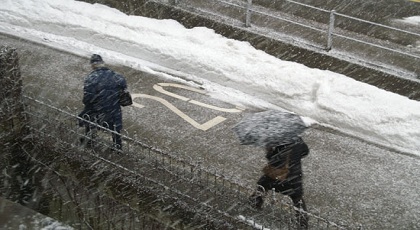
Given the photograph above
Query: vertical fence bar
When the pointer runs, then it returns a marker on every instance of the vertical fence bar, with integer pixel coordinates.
(248, 14)
(330, 30)
(128, 145)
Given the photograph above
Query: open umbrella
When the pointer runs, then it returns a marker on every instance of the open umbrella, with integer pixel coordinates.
(269, 128)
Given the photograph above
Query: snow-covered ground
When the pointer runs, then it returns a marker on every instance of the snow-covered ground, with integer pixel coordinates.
(230, 70)
(415, 20)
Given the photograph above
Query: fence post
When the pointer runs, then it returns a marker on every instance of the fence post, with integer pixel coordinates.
(12, 111)
(248, 14)
(330, 30)
(17, 181)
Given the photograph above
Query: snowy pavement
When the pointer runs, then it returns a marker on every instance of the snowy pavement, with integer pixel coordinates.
(350, 179)
(231, 70)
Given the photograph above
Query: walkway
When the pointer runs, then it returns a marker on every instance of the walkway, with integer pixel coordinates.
(345, 178)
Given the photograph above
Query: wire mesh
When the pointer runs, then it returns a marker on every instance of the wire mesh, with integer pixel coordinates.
(207, 192)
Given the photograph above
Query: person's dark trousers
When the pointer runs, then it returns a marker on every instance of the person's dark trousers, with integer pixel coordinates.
(89, 137)
(292, 188)
(116, 139)
(301, 212)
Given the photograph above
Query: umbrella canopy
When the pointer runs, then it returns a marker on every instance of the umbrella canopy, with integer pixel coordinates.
(269, 128)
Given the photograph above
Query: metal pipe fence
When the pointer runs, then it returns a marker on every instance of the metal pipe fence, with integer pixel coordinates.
(330, 30)
(204, 189)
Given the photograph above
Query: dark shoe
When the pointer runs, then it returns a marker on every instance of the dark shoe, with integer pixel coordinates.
(88, 143)
(256, 201)
(302, 221)
(302, 215)
(116, 148)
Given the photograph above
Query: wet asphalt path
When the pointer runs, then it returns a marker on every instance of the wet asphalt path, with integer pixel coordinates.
(349, 179)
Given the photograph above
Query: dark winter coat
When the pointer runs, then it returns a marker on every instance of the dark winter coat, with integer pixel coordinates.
(101, 92)
(289, 156)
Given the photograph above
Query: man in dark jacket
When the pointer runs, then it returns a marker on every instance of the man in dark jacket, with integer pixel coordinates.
(101, 95)
(284, 174)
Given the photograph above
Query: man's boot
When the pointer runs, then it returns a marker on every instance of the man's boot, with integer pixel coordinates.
(86, 142)
(301, 215)
(256, 199)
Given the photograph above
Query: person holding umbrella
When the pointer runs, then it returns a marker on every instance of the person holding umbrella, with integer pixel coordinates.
(283, 173)
(279, 133)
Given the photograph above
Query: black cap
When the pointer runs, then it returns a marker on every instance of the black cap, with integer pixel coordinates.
(96, 59)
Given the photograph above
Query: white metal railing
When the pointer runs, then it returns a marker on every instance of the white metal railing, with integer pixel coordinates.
(330, 30)
(330, 34)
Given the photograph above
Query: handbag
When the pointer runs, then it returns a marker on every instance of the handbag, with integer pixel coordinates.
(275, 173)
(125, 98)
